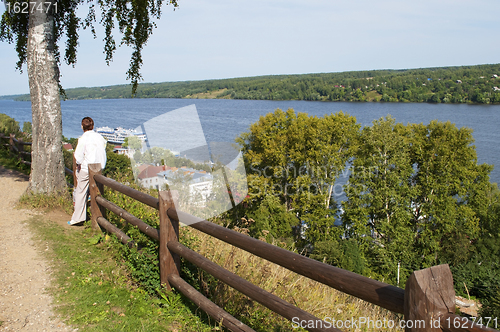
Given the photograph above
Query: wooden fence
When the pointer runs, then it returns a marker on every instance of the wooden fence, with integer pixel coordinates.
(427, 302)
(17, 146)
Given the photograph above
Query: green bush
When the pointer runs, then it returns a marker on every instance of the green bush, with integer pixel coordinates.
(142, 259)
(9, 126)
(27, 128)
(343, 253)
(491, 302)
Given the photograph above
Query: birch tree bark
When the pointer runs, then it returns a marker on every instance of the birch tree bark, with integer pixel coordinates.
(47, 168)
(36, 32)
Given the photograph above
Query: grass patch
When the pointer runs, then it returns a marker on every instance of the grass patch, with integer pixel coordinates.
(207, 95)
(47, 202)
(373, 96)
(311, 296)
(92, 287)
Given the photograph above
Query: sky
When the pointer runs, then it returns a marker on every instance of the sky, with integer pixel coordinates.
(215, 39)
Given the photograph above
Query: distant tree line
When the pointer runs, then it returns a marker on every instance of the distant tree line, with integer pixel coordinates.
(465, 84)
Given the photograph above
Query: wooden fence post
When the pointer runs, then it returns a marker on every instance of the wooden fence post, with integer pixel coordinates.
(169, 231)
(429, 294)
(96, 189)
(20, 149)
(11, 142)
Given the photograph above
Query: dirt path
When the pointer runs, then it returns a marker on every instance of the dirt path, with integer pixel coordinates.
(24, 275)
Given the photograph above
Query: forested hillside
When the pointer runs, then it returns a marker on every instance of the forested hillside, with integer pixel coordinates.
(466, 84)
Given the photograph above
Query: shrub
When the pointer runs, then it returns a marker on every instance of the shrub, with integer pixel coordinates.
(9, 126)
(142, 259)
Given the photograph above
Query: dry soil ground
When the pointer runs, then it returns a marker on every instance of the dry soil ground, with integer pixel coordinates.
(24, 272)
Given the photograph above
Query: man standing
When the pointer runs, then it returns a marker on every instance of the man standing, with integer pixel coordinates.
(91, 149)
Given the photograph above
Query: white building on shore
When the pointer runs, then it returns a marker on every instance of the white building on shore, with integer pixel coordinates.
(156, 177)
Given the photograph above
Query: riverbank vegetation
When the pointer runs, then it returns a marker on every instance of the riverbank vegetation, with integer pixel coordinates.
(381, 201)
(465, 84)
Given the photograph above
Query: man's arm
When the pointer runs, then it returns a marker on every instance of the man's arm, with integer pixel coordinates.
(103, 153)
(80, 149)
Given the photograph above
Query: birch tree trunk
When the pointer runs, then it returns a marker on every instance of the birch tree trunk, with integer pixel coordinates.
(47, 168)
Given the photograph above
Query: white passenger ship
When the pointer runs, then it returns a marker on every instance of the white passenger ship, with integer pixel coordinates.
(118, 135)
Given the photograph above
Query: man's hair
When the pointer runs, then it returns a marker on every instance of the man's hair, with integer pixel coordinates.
(87, 123)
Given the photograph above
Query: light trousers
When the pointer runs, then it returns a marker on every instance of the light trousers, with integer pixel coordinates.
(80, 195)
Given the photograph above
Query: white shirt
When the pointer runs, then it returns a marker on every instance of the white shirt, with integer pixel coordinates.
(91, 149)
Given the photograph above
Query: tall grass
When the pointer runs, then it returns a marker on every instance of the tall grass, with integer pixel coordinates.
(309, 295)
(60, 200)
(93, 291)
(316, 298)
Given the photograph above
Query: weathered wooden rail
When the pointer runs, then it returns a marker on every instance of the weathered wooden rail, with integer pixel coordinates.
(427, 302)
(16, 146)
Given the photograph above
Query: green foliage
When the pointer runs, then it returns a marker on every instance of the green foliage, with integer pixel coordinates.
(377, 211)
(482, 278)
(481, 273)
(117, 164)
(449, 185)
(11, 161)
(465, 84)
(143, 264)
(270, 218)
(135, 21)
(297, 158)
(491, 302)
(27, 129)
(9, 126)
(343, 253)
(414, 195)
(132, 142)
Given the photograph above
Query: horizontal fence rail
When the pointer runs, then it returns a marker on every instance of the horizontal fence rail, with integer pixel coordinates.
(208, 306)
(17, 146)
(271, 301)
(126, 190)
(429, 293)
(373, 291)
(143, 227)
(124, 238)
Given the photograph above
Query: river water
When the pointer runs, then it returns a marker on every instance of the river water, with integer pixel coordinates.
(223, 120)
